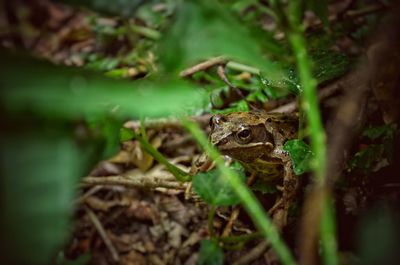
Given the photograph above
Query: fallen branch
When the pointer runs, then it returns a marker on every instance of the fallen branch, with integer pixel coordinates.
(137, 182)
(203, 66)
(99, 227)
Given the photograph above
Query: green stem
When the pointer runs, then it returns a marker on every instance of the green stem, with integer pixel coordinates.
(309, 105)
(328, 231)
(146, 32)
(211, 215)
(179, 174)
(249, 201)
(242, 67)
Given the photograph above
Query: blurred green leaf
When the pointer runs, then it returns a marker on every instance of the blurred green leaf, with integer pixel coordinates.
(370, 156)
(118, 73)
(320, 8)
(210, 253)
(106, 129)
(203, 29)
(123, 8)
(67, 93)
(378, 237)
(384, 131)
(214, 189)
(276, 89)
(40, 173)
(379, 149)
(301, 155)
(99, 63)
(264, 187)
(81, 260)
(125, 134)
(240, 105)
(328, 65)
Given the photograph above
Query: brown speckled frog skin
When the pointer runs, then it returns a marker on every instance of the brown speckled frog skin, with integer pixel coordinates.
(256, 140)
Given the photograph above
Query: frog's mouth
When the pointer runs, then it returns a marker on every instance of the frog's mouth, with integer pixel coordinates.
(235, 146)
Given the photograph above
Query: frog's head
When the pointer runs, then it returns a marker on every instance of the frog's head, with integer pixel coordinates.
(241, 135)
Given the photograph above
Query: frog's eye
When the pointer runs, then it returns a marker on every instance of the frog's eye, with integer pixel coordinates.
(244, 135)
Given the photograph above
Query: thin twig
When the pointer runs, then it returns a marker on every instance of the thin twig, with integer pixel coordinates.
(163, 123)
(203, 66)
(219, 61)
(89, 193)
(222, 75)
(236, 210)
(97, 224)
(143, 181)
(253, 254)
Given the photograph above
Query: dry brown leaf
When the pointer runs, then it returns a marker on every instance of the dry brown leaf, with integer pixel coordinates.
(175, 234)
(193, 239)
(145, 161)
(133, 258)
(140, 210)
(122, 157)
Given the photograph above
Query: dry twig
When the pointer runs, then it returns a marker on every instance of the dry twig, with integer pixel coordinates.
(203, 66)
(139, 182)
(97, 224)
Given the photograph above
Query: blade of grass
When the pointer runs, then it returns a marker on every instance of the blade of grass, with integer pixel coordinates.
(178, 173)
(309, 105)
(327, 233)
(248, 199)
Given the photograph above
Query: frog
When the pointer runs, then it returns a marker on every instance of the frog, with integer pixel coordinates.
(255, 139)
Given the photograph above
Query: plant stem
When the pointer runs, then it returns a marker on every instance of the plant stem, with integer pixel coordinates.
(242, 67)
(211, 215)
(147, 32)
(309, 105)
(248, 199)
(327, 232)
(178, 173)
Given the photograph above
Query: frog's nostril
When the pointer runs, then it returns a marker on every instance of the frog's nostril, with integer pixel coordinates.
(223, 141)
(219, 119)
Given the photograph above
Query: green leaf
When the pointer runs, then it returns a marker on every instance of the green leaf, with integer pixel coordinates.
(204, 29)
(328, 65)
(279, 88)
(214, 189)
(106, 129)
(61, 92)
(39, 176)
(384, 131)
(301, 155)
(210, 253)
(367, 158)
(125, 134)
